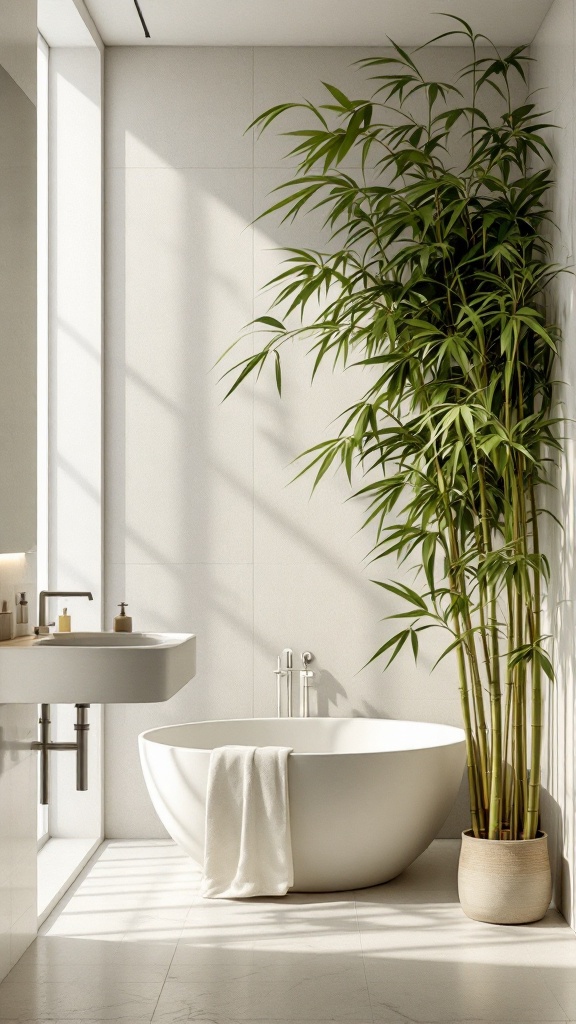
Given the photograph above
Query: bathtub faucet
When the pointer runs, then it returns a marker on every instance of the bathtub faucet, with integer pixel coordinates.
(285, 671)
(305, 678)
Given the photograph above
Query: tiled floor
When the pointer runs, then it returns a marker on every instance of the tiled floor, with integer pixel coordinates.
(133, 943)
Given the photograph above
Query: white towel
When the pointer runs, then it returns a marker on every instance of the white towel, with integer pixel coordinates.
(248, 849)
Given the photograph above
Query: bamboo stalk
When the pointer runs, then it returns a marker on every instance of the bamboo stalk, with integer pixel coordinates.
(479, 712)
(474, 779)
(533, 802)
(507, 745)
(493, 668)
(473, 786)
(495, 810)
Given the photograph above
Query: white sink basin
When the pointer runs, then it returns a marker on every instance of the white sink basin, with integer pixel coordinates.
(96, 668)
(105, 640)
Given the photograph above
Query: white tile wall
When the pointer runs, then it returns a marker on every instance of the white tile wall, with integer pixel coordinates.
(18, 788)
(187, 268)
(18, 796)
(17, 301)
(179, 107)
(18, 914)
(553, 74)
(204, 530)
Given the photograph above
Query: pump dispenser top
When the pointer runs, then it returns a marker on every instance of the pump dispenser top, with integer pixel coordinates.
(123, 622)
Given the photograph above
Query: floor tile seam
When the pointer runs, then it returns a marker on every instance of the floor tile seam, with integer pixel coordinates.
(168, 969)
(314, 957)
(363, 961)
(550, 989)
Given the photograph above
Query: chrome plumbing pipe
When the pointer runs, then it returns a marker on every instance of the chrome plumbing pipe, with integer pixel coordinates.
(285, 670)
(81, 729)
(279, 674)
(45, 745)
(289, 669)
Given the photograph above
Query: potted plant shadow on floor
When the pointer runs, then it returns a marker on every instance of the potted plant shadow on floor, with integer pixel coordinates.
(435, 279)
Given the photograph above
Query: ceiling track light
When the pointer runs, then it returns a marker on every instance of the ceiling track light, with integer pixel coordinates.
(141, 16)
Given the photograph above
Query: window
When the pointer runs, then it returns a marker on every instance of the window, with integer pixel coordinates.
(42, 344)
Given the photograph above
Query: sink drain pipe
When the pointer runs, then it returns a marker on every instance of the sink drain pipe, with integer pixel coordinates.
(44, 745)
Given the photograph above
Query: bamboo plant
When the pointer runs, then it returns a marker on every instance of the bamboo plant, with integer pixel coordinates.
(435, 279)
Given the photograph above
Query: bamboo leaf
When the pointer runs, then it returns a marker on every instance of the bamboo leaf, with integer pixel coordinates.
(396, 641)
(269, 321)
(406, 593)
(338, 95)
(278, 372)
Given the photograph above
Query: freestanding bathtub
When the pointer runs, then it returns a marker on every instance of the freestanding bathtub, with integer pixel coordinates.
(367, 795)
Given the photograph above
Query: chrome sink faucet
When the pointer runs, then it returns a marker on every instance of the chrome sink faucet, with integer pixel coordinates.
(43, 626)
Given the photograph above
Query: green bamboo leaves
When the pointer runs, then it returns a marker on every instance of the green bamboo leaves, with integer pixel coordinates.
(435, 281)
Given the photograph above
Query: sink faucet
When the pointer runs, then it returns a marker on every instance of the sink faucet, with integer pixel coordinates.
(43, 626)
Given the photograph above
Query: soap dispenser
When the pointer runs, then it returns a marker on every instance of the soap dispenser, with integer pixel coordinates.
(21, 609)
(64, 622)
(123, 622)
(21, 627)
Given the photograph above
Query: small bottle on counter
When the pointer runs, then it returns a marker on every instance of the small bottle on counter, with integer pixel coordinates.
(123, 622)
(6, 623)
(64, 622)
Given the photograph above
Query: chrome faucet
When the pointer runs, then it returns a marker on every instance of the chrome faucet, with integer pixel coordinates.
(285, 670)
(43, 626)
(284, 673)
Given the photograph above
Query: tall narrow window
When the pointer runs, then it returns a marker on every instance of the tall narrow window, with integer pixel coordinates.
(42, 342)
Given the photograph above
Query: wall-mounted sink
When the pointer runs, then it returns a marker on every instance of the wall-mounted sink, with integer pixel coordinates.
(96, 668)
(106, 640)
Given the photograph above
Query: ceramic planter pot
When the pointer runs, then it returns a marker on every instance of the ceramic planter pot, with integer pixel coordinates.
(504, 881)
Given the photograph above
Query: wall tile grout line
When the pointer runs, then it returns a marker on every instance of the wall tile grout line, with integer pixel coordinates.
(253, 231)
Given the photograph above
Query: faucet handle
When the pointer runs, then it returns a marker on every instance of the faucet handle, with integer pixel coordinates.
(43, 630)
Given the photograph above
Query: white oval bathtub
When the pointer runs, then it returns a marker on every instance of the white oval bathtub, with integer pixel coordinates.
(367, 795)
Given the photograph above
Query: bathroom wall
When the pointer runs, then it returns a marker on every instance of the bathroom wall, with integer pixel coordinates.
(204, 530)
(17, 289)
(18, 789)
(553, 74)
(18, 796)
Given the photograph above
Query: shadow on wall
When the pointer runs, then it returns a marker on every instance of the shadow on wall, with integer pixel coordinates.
(328, 690)
(173, 460)
(175, 525)
(201, 530)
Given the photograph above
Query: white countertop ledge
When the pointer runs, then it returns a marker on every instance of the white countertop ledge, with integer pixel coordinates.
(49, 670)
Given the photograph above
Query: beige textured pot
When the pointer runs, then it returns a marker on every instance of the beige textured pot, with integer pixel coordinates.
(504, 881)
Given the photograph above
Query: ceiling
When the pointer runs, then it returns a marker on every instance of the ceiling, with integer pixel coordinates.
(308, 22)
(62, 23)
